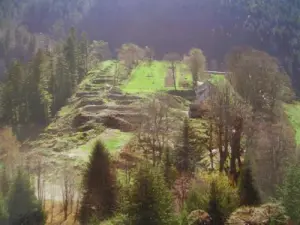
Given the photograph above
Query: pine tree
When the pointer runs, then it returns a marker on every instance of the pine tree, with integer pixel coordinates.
(70, 53)
(34, 90)
(249, 196)
(184, 150)
(13, 96)
(214, 205)
(83, 56)
(23, 207)
(150, 200)
(99, 187)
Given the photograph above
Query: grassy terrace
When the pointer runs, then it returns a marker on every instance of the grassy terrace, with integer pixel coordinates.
(151, 78)
(293, 113)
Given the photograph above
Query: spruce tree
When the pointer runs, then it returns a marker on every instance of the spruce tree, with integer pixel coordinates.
(184, 151)
(150, 200)
(249, 196)
(83, 56)
(23, 207)
(70, 53)
(99, 187)
(214, 209)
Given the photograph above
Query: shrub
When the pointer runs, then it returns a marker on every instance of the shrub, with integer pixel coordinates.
(289, 193)
(199, 195)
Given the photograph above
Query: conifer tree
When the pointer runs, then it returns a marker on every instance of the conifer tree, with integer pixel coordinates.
(83, 56)
(249, 195)
(23, 207)
(150, 200)
(13, 96)
(70, 53)
(34, 96)
(184, 151)
(214, 205)
(99, 187)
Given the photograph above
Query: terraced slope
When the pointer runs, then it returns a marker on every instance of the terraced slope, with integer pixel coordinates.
(98, 110)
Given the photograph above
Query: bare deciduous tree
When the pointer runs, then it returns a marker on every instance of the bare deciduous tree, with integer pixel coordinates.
(130, 54)
(258, 78)
(68, 187)
(229, 114)
(197, 64)
(154, 132)
(149, 54)
(174, 59)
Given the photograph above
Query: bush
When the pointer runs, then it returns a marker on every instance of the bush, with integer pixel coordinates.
(199, 195)
(289, 193)
(267, 214)
(119, 219)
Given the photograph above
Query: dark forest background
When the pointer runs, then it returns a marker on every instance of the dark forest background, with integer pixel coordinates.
(165, 25)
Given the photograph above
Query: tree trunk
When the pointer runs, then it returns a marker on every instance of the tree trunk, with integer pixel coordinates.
(174, 76)
(236, 148)
(210, 145)
(220, 145)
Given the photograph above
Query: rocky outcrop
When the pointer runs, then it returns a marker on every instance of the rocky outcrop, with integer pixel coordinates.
(199, 217)
(264, 215)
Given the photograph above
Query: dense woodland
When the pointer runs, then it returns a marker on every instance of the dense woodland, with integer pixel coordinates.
(237, 163)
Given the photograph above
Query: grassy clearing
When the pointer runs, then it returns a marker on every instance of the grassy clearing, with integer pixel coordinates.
(215, 79)
(293, 113)
(151, 78)
(114, 140)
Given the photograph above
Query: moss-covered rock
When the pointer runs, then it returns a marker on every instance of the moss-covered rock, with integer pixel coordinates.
(199, 217)
(266, 214)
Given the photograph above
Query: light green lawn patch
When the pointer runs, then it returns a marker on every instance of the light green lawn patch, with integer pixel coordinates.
(293, 113)
(150, 78)
(114, 140)
(215, 79)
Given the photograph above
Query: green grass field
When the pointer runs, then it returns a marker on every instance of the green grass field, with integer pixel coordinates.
(114, 141)
(149, 79)
(293, 113)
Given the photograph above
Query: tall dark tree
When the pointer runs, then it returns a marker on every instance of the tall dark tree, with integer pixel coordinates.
(70, 54)
(34, 99)
(249, 195)
(188, 149)
(214, 209)
(23, 207)
(150, 200)
(99, 187)
(13, 96)
(83, 56)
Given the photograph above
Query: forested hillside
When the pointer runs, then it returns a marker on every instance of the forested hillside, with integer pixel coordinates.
(214, 26)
